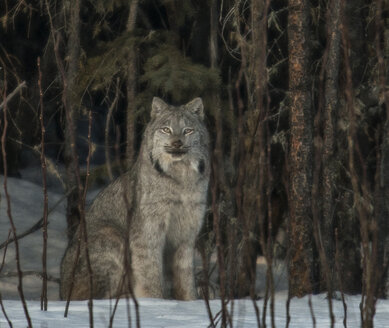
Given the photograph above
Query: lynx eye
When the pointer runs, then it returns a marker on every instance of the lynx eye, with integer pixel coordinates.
(188, 131)
(166, 130)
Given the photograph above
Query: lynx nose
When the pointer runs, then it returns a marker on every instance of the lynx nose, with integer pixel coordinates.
(177, 144)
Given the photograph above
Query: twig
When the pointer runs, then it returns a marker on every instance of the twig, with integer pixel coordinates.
(270, 243)
(112, 316)
(49, 163)
(83, 221)
(45, 197)
(4, 312)
(31, 273)
(127, 257)
(38, 225)
(5, 250)
(1, 268)
(129, 291)
(311, 310)
(83, 233)
(288, 311)
(9, 212)
(220, 255)
(121, 284)
(337, 265)
(205, 287)
(72, 280)
(12, 94)
(109, 115)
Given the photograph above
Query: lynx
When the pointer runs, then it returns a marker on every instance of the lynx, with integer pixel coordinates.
(156, 209)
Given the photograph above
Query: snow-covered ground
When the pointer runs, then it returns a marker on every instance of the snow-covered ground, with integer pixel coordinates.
(26, 208)
(168, 313)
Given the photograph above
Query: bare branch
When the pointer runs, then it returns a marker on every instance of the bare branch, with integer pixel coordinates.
(38, 225)
(8, 202)
(12, 94)
(4, 312)
(31, 273)
(109, 115)
(45, 196)
(5, 250)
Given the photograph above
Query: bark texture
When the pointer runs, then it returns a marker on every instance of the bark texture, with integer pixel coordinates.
(382, 174)
(131, 87)
(73, 185)
(330, 108)
(300, 156)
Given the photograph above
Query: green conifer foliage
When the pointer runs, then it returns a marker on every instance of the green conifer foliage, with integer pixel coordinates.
(171, 74)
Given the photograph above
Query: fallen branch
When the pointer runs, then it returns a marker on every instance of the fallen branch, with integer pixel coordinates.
(30, 273)
(38, 225)
(12, 94)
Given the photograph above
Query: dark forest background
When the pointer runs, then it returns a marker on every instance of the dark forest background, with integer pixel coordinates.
(296, 96)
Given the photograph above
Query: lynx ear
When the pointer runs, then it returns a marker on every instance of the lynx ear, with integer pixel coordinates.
(196, 107)
(157, 106)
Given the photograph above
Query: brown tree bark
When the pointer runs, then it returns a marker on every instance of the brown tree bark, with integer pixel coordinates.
(131, 87)
(349, 238)
(73, 183)
(250, 190)
(217, 169)
(300, 156)
(331, 95)
(361, 192)
(382, 172)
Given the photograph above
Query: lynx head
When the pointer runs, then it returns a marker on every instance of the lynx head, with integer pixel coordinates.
(177, 135)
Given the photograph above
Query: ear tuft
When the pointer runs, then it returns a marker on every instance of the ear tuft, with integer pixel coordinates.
(196, 107)
(157, 107)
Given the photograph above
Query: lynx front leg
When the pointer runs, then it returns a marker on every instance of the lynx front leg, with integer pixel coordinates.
(183, 274)
(147, 269)
(106, 248)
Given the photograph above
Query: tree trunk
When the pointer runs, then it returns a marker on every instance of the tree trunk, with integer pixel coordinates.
(382, 214)
(384, 220)
(300, 157)
(73, 184)
(348, 250)
(330, 108)
(382, 172)
(131, 87)
(217, 160)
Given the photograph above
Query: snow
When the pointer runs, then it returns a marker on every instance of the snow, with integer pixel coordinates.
(170, 313)
(26, 206)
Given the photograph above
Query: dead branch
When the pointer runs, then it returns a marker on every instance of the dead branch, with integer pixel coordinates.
(129, 291)
(5, 251)
(31, 273)
(4, 312)
(38, 225)
(12, 94)
(45, 196)
(8, 202)
(106, 132)
(83, 222)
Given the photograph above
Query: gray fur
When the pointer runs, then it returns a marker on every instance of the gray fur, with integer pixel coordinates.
(166, 193)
